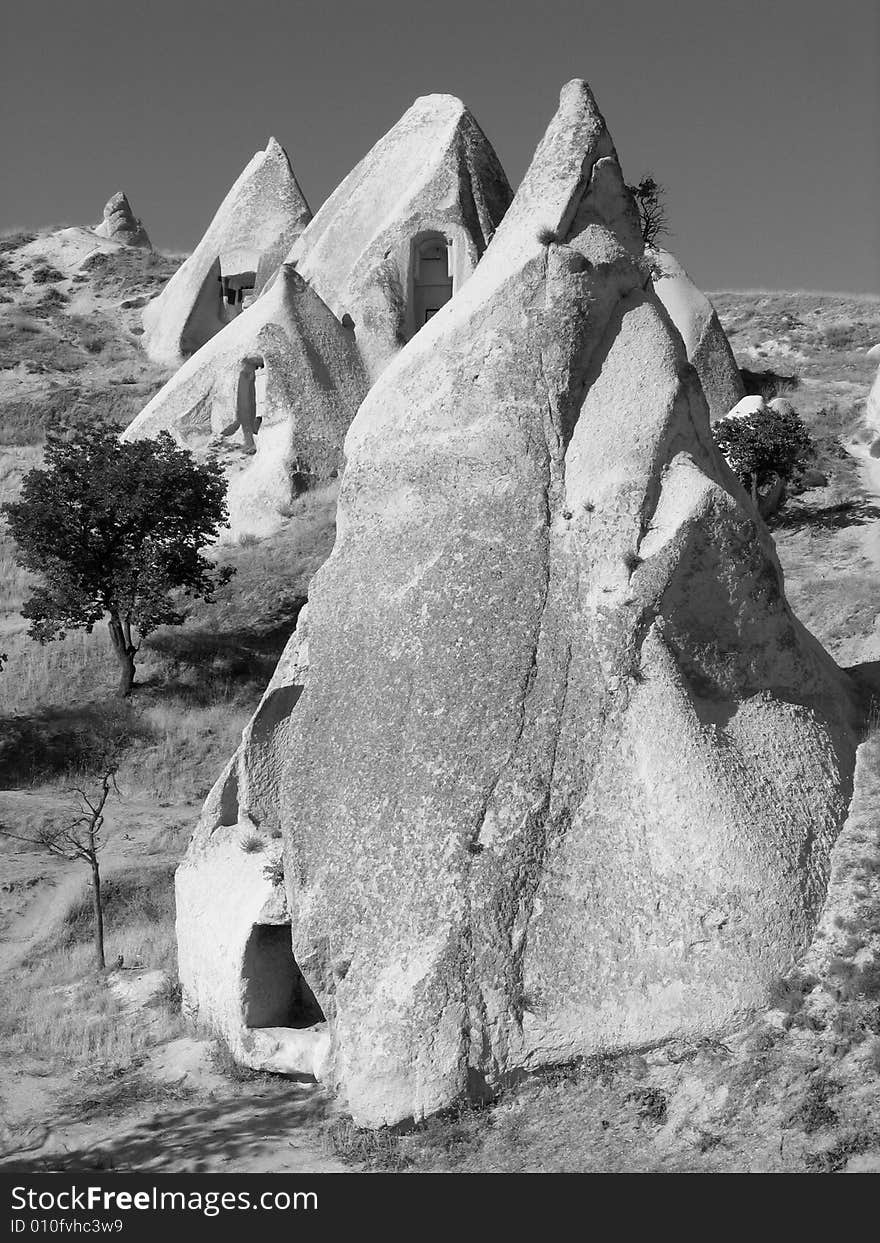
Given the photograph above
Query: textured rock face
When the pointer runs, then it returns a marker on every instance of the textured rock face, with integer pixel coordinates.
(311, 385)
(225, 895)
(121, 224)
(566, 771)
(435, 172)
(706, 345)
(254, 228)
(873, 409)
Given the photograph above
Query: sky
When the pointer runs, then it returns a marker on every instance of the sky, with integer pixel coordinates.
(761, 119)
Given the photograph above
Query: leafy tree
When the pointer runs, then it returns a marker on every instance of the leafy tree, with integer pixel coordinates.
(764, 446)
(116, 530)
(79, 838)
(650, 200)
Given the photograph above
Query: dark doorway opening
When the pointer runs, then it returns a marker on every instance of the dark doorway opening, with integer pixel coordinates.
(274, 990)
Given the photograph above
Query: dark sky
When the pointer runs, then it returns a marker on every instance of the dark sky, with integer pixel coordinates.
(762, 119)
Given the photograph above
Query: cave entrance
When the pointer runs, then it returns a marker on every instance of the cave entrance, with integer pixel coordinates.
(236, 291)
(432, 282)
(274, 990)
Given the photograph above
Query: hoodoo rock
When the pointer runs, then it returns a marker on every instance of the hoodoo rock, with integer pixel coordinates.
(566, 771)
(254, 228)
(406, 227)
(122, 225)
(705, 342)
(306, 382)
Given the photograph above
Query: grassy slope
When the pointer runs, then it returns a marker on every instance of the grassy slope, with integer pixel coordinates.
(796, 1090)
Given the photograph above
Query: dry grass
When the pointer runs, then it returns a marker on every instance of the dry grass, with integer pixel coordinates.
(62, 1013)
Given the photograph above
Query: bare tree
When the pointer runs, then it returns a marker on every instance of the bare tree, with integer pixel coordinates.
(650, 199)
(80, 838)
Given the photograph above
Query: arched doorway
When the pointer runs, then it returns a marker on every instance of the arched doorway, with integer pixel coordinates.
(432, 284)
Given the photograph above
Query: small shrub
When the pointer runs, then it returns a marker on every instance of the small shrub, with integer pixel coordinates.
(814, 1113)
(377, 1150)
(652, 1104)
(45, 274)
(764, 447)
(632, 561)
(253, 844)
(840, 336)
(547, 237)
(274, 872)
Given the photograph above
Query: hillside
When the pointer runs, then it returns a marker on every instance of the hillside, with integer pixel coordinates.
(797, 1089)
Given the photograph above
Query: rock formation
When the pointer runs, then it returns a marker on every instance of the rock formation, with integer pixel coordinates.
(566, 771)
(311, 386)
(121, 224)
(872, 412)
(254, 228)
(707, 347)
(407, 226)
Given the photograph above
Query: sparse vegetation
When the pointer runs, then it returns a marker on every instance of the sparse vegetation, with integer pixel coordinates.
(650, 198)
(116, 530)
(80, 838)
(764, 447)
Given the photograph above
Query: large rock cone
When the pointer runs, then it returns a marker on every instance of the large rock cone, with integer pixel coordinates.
(434, 172)
(263, 214)
(566, 771)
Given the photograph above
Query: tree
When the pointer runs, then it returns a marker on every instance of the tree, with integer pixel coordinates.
(764, 447)
(80, 838)
(116, 530)
(649, 196)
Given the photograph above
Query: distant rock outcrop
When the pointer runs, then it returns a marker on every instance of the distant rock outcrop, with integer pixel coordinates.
(311, 382)
(407, 226)
(566, 771)
(254, 228)
(121, 224)
(704, 340)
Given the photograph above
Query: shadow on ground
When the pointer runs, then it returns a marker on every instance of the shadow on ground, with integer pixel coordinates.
(56, 741)
(220, 1135)
(852, 513)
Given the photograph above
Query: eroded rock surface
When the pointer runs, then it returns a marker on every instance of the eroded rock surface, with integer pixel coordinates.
(566, 771)
(242, 248)
(707, 347)
(311, 383)
(120, 223)
(434, 175)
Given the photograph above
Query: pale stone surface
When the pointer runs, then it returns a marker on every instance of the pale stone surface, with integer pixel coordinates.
(222, 892)
(254, 228)
(311, 385)
(120, 223)
(873, 352)
(566, 771)
(704, 339)
(873, 409)
(748, 406)
(434, 171)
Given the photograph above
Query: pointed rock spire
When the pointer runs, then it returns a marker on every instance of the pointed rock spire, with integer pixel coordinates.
(536, 795)
(121, 224)
(433, 178)
(253, 229)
